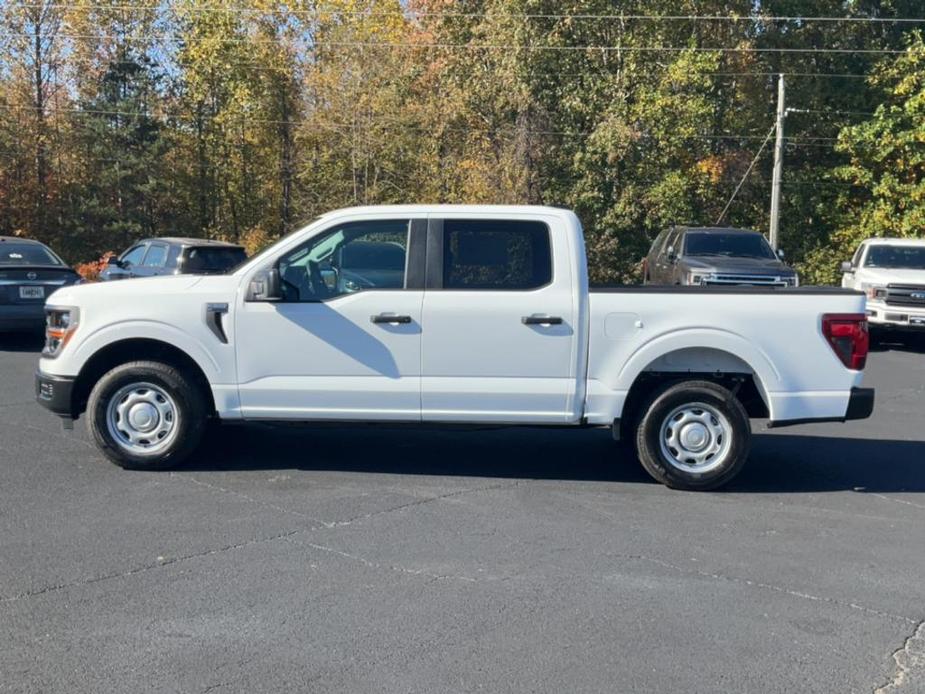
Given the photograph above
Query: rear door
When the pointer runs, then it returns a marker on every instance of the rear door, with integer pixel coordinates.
(155, 261)
(499, 321)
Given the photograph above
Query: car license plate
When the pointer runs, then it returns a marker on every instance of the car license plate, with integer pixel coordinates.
(32, 292)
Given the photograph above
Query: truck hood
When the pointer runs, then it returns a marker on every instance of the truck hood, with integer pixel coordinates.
(891, 276)
(749, 266)
(96, 292)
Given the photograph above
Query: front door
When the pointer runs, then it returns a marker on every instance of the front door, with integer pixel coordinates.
(500, 326)
(345, 341)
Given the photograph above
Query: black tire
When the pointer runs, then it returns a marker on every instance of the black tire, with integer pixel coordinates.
(188, 400)
(659, 407)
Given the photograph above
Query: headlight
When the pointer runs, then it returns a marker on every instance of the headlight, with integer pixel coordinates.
(695, 278)
(876, 292)
(60, 325)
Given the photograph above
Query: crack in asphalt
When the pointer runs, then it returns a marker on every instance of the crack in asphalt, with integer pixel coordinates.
(777, 589)
(250, 499)
(390, 567)
(429, 499)
(162, 562)
(910, 662)
(895, 500)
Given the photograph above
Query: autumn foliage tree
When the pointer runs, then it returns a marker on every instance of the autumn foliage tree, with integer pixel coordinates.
(242, 119)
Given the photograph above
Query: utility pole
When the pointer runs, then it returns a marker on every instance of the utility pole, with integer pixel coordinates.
(778, 162)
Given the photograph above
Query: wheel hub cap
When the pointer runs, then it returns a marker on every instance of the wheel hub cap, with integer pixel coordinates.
(695, 437)
(142, 418)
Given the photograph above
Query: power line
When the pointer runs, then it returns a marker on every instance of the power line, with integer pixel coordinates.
(745, 175)
(311, 45)
(367, 124)
(335, 11)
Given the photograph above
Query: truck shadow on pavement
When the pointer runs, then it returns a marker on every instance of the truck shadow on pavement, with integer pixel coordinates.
(22, 342)
(780, 463)
(898, 342)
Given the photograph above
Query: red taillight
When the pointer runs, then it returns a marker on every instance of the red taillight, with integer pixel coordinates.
(848, 336)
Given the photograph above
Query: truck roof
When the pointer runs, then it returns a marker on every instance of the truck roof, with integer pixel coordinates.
(190, 241)
(456, 209)
(893, 241)
(718, 230)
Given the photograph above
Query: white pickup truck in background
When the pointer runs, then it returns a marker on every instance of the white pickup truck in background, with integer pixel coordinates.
(891, 272)
(451, 314)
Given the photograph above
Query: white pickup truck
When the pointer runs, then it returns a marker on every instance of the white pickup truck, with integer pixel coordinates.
(891, 272)
(451, 315)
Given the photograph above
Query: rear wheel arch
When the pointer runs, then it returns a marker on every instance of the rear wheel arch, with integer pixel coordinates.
(131, 350)
(728, 370)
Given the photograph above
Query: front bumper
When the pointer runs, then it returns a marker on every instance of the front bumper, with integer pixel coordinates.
(27, 317)
(54, 393)
(904, 317)
(860, 406)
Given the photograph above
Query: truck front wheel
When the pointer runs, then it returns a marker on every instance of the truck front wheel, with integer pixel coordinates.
(146, 415)
(693, 435)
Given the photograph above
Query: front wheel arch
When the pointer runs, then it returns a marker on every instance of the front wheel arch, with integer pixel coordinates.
(136, 349)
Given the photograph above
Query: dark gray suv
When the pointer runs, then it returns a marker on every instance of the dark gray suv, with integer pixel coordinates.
(705, 256)
(174, 256)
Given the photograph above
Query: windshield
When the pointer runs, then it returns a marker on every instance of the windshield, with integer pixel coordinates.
(27, 254)
(733, 245)
(899, 257)
(267, 250)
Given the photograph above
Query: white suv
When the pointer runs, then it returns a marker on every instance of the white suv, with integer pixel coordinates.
(892, 274)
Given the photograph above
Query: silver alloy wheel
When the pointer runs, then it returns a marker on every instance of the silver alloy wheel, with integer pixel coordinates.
(695, 437)
(142, 418)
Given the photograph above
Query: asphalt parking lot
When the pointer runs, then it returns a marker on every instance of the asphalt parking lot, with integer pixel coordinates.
(370, 560)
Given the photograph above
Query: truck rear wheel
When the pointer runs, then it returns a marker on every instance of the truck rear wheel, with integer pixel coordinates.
(693, 435)
(146, 415)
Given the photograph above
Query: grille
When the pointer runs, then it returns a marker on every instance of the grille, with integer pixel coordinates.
(756, 280)
(905, 295)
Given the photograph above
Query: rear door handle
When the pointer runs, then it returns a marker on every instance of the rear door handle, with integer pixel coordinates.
(390, 318)
(541, 320)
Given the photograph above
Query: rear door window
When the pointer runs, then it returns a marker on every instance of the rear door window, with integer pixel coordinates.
(506, 255)
(156, 255)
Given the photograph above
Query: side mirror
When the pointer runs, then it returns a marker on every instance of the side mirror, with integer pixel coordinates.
(265, 286)
(780, 253)
(672, 256)
(114, 261)
(847, 266)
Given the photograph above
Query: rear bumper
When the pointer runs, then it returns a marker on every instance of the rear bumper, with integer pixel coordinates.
(860, 406)
(22, 316)
(54, 394)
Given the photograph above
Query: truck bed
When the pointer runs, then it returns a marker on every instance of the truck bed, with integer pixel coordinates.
(773, 335)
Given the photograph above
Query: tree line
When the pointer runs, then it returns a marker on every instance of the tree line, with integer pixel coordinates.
(244, 119)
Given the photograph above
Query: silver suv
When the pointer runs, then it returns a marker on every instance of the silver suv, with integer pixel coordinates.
(706, 256)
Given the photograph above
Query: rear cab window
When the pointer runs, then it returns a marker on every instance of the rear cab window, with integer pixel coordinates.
(213, 260)
(502, 255)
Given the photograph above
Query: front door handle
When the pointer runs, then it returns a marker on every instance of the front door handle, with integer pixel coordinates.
(390, 318)
(541, 320)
